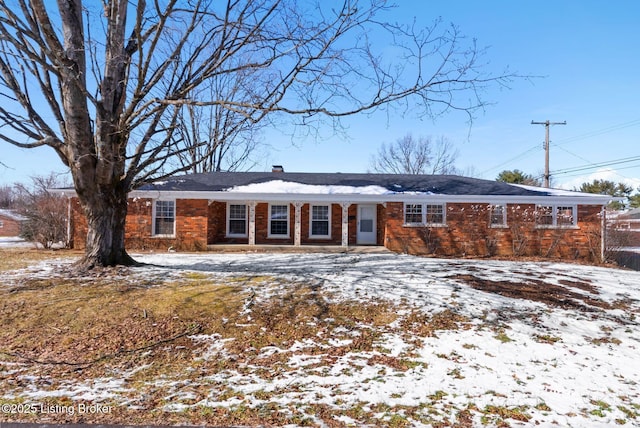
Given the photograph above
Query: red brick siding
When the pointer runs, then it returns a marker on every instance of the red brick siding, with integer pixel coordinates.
(381, 224)
(335, 224)
(191, 225)
(78, 225)
(263, 226)
(10, 226)
(467, 233)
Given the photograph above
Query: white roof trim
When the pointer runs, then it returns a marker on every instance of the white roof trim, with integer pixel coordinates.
(581, 198)
(223, 196)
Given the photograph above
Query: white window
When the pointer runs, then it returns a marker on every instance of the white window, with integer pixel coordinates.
(320, 226)
(565, 216)
(413, 214)
(278, 221)
(556, 216)
(497, 215)
(434, 214)
(164, 218)
(424, 214)
(236, 220)
(1, 224)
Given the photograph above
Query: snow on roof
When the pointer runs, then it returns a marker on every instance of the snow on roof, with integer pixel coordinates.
(12, 215)
(280, 186)
(372, 187)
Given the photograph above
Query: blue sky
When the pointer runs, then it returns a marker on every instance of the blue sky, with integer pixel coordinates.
(588, 52)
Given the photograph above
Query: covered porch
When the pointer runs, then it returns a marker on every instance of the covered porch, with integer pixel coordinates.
(285, 223)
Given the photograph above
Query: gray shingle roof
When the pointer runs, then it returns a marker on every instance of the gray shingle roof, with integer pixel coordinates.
(437, 184)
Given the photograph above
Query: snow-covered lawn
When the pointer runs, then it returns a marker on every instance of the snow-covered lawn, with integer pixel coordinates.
(14, 242)
(533, 343)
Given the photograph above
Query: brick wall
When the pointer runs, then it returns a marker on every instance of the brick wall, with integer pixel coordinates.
(78, 225)
(190, 227)
(468, 233)
(10, 226)
(335, 226)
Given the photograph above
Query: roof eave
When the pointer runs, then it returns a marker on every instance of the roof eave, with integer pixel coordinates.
(375, 198)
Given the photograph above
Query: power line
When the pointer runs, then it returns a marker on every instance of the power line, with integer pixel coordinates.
(614, 171)
(598, 132)
(521, 155)
(597, 165)
(564, 141)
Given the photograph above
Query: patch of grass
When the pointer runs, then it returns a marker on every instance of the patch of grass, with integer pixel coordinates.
(603, 340)
(11, 258)
(546, 338)
(401, 364)
(601, 408)
(418, 323)
(66, 324)
(542, 406)
(629, 413)
(517, 413)
(502, 336)
(455, 373)
(438, 395)
(397, 421)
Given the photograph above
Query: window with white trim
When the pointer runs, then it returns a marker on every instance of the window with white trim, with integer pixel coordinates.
(278, 221)
(1, 224)
(424, 214)
(320, 221)
(413, 214)
(565, 216)
(236, 220)
(164, 218)
(434, 213)
(497, 215)
(556, 216)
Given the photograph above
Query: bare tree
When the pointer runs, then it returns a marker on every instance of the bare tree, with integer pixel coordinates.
(46, 212)
(7, 197)
(216, 138)
(105, 83)
(408, 155)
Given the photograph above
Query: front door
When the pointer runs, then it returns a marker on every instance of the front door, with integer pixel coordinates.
(366, 225)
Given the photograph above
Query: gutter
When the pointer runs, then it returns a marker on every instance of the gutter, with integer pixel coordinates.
(580, 199)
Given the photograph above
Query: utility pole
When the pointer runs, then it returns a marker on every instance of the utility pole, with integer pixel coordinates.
(546, 124)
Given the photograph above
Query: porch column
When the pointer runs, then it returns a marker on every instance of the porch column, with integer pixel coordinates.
(345, 223)
(297, 231)
(252, 222)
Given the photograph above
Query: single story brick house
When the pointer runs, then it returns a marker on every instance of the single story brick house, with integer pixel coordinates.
(442, 215)
(10, 223)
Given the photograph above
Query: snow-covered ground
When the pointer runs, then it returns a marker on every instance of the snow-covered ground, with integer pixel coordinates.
(14, 242)
(572, 361)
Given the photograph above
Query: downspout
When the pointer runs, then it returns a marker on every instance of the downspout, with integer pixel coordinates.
(603, 232)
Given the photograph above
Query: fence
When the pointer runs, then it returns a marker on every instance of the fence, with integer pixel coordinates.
(628, 259)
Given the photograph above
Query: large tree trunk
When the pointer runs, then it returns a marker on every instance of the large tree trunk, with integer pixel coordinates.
(106, 213)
